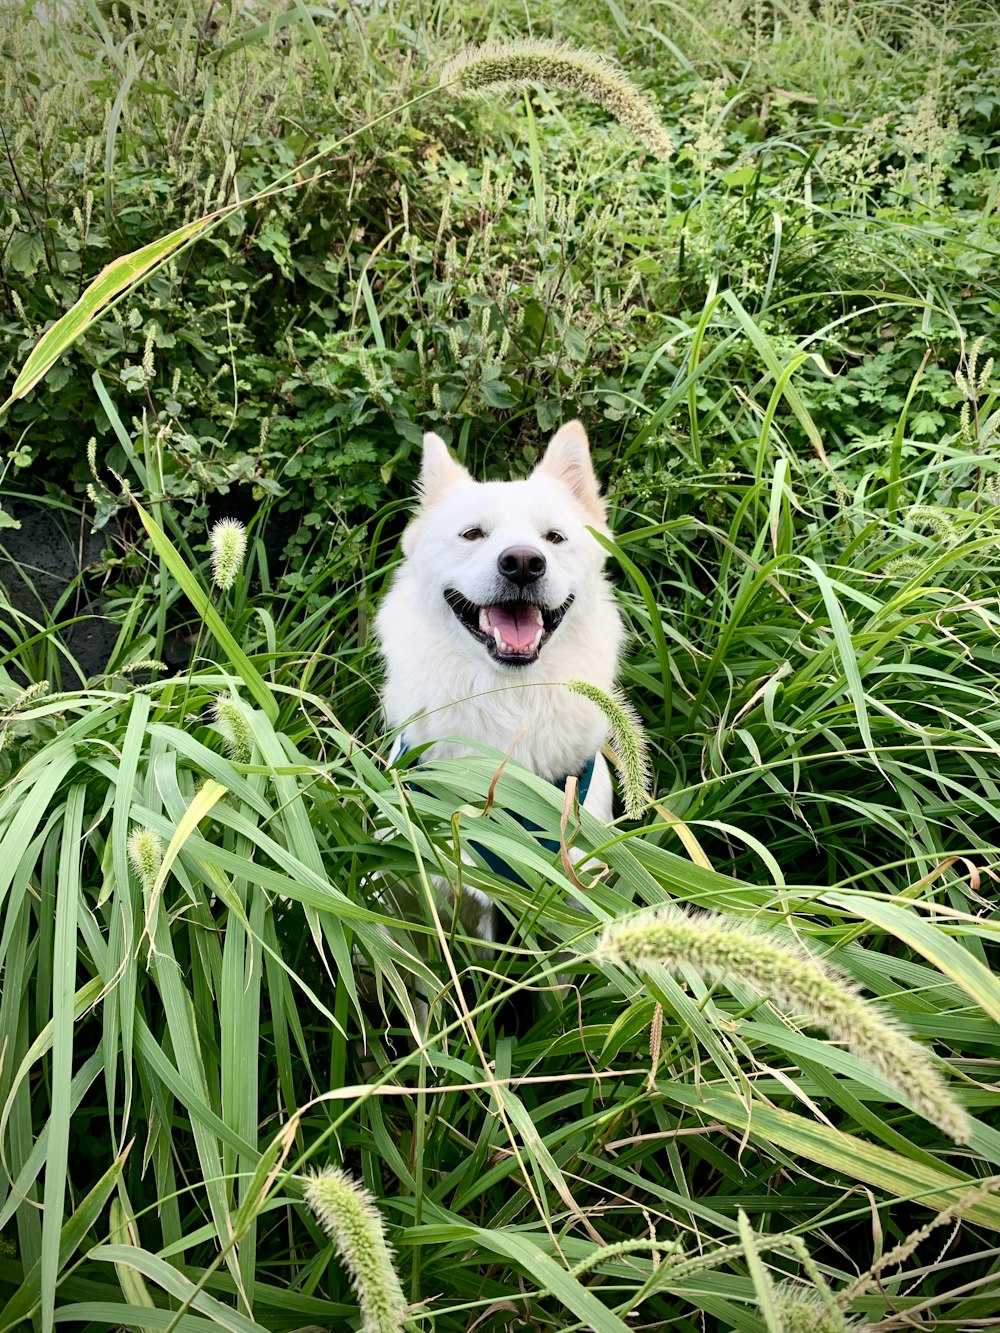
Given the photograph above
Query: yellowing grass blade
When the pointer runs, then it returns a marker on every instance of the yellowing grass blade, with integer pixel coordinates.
(205, 798)
(112, 280)
(122, 1232)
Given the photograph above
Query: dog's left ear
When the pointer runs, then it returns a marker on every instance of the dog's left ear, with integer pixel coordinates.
(568, 460)
(438, 469)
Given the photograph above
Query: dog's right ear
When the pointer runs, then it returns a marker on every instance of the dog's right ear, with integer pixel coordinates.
(438, 469)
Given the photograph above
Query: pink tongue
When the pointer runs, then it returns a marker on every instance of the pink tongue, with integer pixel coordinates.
(516, 622)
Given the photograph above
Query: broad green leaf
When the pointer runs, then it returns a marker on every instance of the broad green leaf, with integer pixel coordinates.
(832, 1148)
(25, 252)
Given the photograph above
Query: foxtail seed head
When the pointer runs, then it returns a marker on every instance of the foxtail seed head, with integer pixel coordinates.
(29, 696)
(802, 1312)
(506, 66)
(937, 520)
(143, 664)
(795, 982)
(145, 851)
(348, 1215)
(229, 545)
(627, 740)
(234, 725)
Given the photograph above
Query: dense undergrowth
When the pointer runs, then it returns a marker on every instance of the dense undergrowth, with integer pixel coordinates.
(780, 342)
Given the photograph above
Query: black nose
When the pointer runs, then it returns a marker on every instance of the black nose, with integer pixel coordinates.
(521, 564)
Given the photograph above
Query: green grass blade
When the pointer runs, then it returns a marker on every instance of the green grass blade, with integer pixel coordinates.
(25, 804)
(175, 1284)
(524, 1251)
(120, 1230)
(202, 603)
(27, 1300)
(874, 1166)
(847, 653)
(63, 984)
(759, 1275)
(119, 1005)
(932, 943)
(768, 355)
(82, 1080)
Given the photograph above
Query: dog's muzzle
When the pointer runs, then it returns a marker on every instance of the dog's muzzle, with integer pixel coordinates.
(513, 632)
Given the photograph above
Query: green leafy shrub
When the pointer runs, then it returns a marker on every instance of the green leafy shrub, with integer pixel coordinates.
(485, 268)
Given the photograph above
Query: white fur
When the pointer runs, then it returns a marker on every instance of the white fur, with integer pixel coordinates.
(441, 683)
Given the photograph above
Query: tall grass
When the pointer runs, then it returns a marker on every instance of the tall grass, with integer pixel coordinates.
(225, 967)
(206, 1028)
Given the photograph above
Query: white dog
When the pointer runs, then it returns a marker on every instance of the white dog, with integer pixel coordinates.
(501, 596)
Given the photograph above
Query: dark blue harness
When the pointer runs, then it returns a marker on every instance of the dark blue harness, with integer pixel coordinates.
(496, 863)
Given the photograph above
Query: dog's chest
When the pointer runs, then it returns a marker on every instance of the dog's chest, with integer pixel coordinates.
(542, 727)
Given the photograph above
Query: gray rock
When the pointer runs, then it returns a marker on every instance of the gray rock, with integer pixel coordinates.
(41, 566)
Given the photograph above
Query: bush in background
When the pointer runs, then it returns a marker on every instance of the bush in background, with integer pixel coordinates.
(491, 268)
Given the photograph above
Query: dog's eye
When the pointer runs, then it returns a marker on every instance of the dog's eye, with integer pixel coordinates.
(472, 534)
(554, 537)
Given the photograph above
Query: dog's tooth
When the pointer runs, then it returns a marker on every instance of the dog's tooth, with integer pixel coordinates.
(499, 640)
(538, 616)
(537, 639)
(484, 620)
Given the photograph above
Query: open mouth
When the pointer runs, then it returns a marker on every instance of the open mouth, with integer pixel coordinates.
(513, 632)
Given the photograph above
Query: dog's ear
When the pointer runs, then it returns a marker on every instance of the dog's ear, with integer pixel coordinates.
(568, 460)
(438, 470)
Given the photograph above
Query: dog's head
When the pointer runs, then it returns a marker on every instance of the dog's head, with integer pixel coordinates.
(511, 560)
